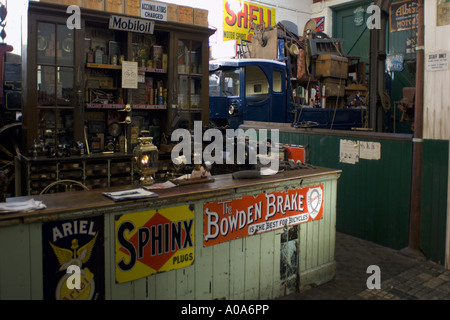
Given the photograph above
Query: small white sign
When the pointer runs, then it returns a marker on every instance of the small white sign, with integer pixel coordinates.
(369, 150)
(438, 61)
(154, 10)
(129, 75)
(349, 151)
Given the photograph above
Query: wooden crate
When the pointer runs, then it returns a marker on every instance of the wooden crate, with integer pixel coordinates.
(116, 6)
(201, 17)
(335, 103)
(185, 14)
(133, 7)
(328, 65)
(95, 4)
(334, 87)
(172, 12)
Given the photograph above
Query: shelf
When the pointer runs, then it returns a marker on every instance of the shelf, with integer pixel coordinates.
(151, 70)
(55, 107)
(190, 74)
(122, 106)
(103, 66)
(104, 106)
(191, 109)
(149, 106)
(119, 67)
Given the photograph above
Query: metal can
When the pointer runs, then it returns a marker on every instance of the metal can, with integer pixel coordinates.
(114, 59)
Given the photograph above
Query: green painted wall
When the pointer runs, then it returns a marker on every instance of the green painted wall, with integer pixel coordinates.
(433, 218)
(373, 196)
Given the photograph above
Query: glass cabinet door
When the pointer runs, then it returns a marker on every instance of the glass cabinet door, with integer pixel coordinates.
(189, 79)
(55, 83)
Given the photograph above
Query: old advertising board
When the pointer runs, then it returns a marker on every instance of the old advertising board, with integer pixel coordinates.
(225, 220)
(70, 243)
(403, 15)
(153, 241)
(443, 13)
(239, 20)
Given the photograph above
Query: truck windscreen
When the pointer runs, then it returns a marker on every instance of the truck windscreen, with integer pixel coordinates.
(224, 83)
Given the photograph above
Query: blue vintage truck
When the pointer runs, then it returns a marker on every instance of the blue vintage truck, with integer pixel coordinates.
(260, 90)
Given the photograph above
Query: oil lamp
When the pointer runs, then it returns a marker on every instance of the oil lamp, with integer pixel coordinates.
(146, 160)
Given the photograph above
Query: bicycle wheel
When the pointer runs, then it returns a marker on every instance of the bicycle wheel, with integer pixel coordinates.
(10, 140)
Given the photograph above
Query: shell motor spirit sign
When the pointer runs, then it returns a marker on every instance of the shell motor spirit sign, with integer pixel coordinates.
(153, 241)
(225, 220)
(237, 24)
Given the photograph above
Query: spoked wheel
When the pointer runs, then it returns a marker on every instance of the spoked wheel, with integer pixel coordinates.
(10, 139)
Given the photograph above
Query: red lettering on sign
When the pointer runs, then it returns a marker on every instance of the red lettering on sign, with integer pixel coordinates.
(231, 21)
(243, 15)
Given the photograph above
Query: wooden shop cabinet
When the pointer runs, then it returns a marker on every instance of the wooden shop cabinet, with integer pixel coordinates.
(74, 89)
(93, 171)
(74, 93)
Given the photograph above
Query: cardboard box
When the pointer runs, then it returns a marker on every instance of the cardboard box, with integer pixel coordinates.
(328, 65)
(157, 53)
(133, 7)
(172, 12)
(95, 4)
(116, 6)
(200, 17)
(79, 3)
(54, 1)
(185, 14)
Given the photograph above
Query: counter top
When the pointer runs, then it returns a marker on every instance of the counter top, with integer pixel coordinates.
(93, 201)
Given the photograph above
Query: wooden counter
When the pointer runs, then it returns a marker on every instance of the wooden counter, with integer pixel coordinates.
(228, 239)
(92, 201)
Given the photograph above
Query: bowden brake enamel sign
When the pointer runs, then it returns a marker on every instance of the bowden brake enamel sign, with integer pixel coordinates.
(225, 220)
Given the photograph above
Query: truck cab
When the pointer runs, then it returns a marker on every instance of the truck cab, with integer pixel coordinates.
(248, 89)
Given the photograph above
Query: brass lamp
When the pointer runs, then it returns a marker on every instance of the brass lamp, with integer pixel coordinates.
(146, 160)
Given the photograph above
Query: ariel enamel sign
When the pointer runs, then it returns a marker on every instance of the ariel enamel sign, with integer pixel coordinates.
(153, 241)
(225, 220)
(239, 16)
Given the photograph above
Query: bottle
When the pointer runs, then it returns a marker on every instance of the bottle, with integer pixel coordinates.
(99, 55)
(160, 96)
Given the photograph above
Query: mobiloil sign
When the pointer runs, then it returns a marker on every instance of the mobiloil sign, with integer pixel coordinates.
(131, 24)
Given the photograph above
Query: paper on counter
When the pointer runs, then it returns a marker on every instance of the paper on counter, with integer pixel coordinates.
(133, 194)
(18, 206)
(165, 185)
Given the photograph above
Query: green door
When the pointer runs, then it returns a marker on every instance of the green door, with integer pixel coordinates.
(349, 23)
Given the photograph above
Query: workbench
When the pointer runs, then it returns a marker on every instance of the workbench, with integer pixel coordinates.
(227, 239)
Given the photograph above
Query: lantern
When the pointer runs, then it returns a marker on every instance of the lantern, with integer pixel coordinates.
(146, 160)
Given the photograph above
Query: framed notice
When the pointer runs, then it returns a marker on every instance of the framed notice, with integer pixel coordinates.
(129, 75)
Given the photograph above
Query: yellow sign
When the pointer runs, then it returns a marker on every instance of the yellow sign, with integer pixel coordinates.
(241, 19)
(153, 241)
